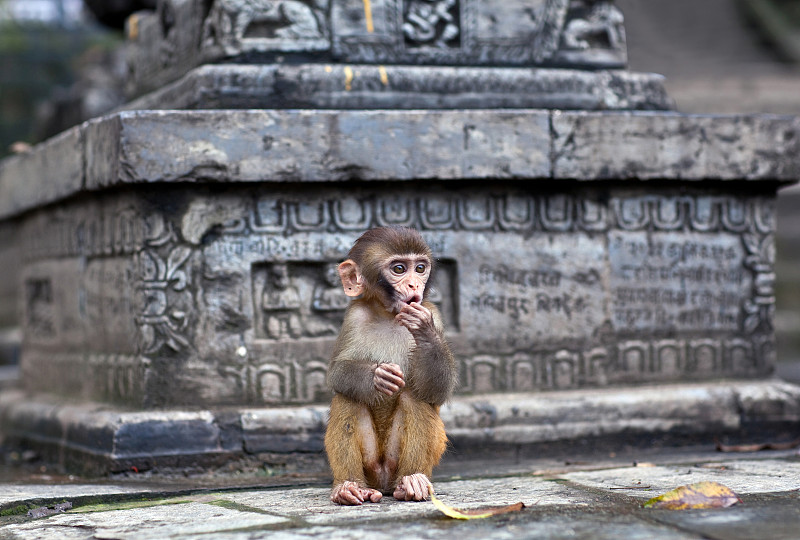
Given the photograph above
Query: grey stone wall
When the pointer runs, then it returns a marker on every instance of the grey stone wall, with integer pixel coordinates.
(154, 282)
(550, 290)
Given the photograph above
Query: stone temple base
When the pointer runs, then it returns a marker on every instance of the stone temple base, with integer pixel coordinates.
(91, 438)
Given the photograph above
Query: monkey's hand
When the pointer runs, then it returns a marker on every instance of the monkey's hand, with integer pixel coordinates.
(351, 493)
(414, 487)
(388, 378)
(418, 319)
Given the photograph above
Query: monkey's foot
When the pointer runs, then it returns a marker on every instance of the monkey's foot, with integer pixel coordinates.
(353, 494)
(414, 487)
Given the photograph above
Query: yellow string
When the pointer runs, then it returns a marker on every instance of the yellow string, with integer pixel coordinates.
(368, 15)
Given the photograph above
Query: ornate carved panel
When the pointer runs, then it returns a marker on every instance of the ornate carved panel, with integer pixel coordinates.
(513, 32)
(538, 290)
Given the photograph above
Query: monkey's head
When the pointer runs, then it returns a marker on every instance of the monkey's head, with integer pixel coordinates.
(391, 265)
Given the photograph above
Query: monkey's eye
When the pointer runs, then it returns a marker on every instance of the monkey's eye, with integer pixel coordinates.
(420, 269)
(399, 269)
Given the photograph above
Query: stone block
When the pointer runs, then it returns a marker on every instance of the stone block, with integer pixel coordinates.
(10, 266)
(512, 419)
(284, 430)
(365, 86)
(166, 433)
(303, 146)
(652, 146)
(51, 171)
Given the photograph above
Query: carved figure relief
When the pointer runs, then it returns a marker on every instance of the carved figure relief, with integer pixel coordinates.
(297, 299)
(281, 304)
(328, 303)
(168, 46)
(40, 319)
(232, 23)
(304, 299)
(601, 27)
(474, 32)
(328, 295)
(593, 35)
(433, 23)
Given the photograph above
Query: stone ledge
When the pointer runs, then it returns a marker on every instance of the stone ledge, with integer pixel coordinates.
(343, 145)
(354, 86)
(97, 439)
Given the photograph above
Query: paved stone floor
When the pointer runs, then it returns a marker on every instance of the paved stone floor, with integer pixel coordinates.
(598, 497)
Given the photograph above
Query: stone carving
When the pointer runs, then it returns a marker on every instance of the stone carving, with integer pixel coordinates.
(601, 26)
(240, 25)
(39, 320)
(105, 377)
(278, 383)
(299, 299)
(643, 360)
(271, 302)
(760, 309)
(161, 271)
(512, 212)
(514, 32)
(593, 34)
(328, 303)
(168, 45)
(432, 23)
(281, 304)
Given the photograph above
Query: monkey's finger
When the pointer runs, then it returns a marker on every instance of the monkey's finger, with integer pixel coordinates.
(389, 382)
(372, 494)
(408, 489)
(354, 494)
(417, 310)
(391, 368)
(348, 493)
(421, 486)
(417, 320)
(382, 376)
(409, 321)
(390, 378)
(389, 390)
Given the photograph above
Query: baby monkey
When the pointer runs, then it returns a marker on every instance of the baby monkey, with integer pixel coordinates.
(391, 371)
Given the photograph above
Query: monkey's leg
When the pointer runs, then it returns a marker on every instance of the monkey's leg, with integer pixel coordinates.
(417, 442)
(351, 445)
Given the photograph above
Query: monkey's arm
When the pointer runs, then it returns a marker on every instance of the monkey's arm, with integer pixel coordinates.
(352, 378)
(432, 371)
(360, 368)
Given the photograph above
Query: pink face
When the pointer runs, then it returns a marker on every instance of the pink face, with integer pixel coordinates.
(407, 274)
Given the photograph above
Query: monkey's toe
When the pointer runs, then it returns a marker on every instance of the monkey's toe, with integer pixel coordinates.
(415, 487)
(351, 494)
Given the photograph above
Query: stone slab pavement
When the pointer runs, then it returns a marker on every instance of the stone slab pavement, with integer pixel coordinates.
(599, 497)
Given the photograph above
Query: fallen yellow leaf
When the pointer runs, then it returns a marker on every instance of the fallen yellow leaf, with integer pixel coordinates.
(694, 496)
(477, 513)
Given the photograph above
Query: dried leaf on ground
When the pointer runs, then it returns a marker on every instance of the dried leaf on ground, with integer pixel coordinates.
(757, 447)
(476, 513)
(694, 496)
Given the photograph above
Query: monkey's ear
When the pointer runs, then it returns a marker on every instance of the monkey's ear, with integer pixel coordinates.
(352, 282)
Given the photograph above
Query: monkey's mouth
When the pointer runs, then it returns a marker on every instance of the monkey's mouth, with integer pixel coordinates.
(413, 298)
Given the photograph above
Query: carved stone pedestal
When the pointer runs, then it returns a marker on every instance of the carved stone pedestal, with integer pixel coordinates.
(176, 267)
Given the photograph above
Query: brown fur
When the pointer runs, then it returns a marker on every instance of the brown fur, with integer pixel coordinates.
(374, 439)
